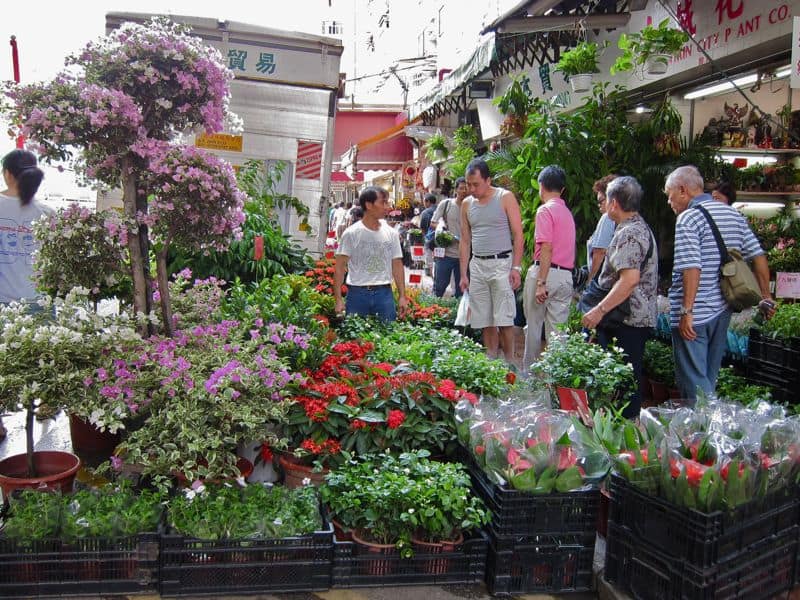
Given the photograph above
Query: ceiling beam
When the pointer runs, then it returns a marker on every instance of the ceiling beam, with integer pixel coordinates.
(539, 7)
(557, 22)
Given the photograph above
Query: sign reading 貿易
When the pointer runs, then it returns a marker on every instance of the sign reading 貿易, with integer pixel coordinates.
(219, 141)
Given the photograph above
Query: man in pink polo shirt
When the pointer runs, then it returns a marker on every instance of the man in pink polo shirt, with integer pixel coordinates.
(548, 285)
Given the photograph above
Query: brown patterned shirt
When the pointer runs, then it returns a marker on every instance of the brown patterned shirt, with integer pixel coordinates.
(627, 251)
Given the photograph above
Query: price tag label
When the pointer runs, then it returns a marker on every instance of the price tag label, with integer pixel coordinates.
(438, 252)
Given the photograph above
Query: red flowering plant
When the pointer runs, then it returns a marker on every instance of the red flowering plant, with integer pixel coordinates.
(321, 276)
(350, 405)
(532, 448)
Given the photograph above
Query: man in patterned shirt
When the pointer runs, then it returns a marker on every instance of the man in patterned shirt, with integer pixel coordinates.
(699, 315)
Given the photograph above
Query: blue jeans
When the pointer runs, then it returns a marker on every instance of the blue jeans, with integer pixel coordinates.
(445, 267)
(371, 300)
(631, 340)
(697, 362)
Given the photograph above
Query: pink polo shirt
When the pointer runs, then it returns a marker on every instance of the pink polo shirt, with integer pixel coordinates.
(554, 224)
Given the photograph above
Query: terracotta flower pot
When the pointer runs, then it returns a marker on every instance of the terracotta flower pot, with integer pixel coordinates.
(56, 470)
(294, 472)
(87, 438)
(436, 565)
(342, 533)
(385, 555)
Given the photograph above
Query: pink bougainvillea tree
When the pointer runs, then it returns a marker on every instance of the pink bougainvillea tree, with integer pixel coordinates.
(117, 112)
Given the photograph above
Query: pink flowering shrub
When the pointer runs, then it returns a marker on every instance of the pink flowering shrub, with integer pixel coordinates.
(117, 114)
(81, 248)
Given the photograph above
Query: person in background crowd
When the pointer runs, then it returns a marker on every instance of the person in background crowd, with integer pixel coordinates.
(724, 192)
(491, 234)
(339, 219)
(425, 225)
(548, 285)
(370, 253)
(597, 244)
(18, 210)
(630, 271)
(356, 215)
(699, 315)
(449, 212)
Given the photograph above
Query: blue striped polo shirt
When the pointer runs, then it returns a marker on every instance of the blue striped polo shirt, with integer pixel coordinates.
(696, 248)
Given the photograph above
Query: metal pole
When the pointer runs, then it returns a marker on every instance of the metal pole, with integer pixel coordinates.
(15, 62)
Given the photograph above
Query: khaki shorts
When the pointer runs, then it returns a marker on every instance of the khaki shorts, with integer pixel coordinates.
(491, 298)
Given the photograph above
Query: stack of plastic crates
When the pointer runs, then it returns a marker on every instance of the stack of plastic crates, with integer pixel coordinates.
(538, 543)
(657, 550)
(774, 363)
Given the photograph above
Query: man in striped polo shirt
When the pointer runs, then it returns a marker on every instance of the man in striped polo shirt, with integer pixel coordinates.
(699, 315)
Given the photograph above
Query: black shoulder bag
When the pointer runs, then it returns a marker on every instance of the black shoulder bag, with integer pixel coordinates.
(595, 293)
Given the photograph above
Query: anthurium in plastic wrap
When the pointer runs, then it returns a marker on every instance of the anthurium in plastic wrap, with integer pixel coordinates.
(716, 456)
(531, 448)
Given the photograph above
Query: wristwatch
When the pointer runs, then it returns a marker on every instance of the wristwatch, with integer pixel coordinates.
(517, 268)
(685, 311)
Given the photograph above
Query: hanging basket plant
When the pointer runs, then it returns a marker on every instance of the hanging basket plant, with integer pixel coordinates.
(516, 103)
(649, 49)
(436, 149)
(579, 63)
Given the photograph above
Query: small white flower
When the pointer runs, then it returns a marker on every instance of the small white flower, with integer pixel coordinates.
(411, 511)
(307, 481)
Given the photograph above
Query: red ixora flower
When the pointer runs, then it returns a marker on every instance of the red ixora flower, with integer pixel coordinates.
(395, 419)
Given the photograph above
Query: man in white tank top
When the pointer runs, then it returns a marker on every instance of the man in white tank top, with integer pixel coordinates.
(491, 235)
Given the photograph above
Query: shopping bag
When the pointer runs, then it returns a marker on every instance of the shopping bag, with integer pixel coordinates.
(462, 315)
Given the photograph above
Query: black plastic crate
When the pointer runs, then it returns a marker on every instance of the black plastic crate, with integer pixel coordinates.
(52, 567)
(191, 567)
(356, 566)
(525, 514)
(697, 538)
(764, 571)
(778, 352)
(766, 373)
(540, 564)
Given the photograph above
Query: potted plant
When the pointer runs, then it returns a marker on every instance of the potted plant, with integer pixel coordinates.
(579, 63)
(650, 48)
(571, 362)
(436, 149)
(350, 404)
(658, 363)
(44, 360)
(516, 102)
(389, 500)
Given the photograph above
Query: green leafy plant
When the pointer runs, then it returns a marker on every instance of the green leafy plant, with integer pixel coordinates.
(570, 361)
(785, 323)
(735, 388)
(465, 140)
(659, 363)
(516, 103)
(33, 515)
(392, 498)
(638, 47)
(255, 512)
(582, 59)
(436, 147)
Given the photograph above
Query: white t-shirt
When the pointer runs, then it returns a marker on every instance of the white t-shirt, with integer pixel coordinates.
(370, 253)
(17, 245)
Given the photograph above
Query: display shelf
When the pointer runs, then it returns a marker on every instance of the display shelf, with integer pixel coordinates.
(741, 194)
(757, 151)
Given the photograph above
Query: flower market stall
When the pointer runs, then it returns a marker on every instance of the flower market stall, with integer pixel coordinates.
(399, 453)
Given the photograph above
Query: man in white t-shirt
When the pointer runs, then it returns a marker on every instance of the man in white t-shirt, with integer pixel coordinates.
(370, 252)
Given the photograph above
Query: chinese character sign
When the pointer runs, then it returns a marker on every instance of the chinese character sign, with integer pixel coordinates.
(544, 78)
(266, 63)
(686, 17)
(236, 60)
(728, 10)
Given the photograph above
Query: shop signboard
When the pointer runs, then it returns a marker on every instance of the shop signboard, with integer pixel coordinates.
(219, 141)
(795, 76)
